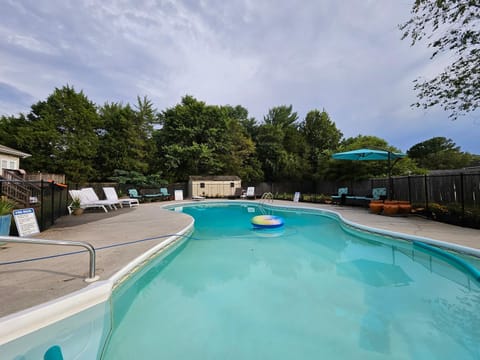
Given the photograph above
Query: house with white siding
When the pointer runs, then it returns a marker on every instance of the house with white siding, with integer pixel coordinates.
(10, 158)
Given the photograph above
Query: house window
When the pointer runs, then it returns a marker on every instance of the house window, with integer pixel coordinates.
(12, 164)
(202, 185)
(4, 164)
(232, 185)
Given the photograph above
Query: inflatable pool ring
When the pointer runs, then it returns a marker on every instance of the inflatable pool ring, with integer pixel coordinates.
(266, 221)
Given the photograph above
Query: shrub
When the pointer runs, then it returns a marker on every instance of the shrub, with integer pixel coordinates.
(6, 206)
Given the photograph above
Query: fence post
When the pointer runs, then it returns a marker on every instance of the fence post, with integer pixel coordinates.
(52, 191)
(66, 200)
(42, 207)
(462, 196)
(426, 191)
(409, 189)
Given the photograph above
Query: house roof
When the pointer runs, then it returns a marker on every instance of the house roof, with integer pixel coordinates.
(215, 178)
(10, 151)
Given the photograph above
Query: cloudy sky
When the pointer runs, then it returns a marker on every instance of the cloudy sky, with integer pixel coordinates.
(346, 57)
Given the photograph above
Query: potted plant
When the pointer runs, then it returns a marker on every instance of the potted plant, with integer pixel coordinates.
(324, 199)
(75, 205)
(6, 208)
(390, 207)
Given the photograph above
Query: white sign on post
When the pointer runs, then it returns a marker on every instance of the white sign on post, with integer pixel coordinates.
(178, 195)
(26, 222)
(296, 197)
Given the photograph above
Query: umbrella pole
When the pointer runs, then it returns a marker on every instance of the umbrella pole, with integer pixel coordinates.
(390, 179)
(390, 190)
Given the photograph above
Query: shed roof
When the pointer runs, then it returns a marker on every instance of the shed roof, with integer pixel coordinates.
(10, 151)
(214, 178)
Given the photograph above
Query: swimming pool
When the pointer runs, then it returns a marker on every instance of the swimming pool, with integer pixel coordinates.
(315, 288)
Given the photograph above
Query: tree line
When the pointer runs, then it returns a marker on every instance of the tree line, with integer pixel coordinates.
(69, 134)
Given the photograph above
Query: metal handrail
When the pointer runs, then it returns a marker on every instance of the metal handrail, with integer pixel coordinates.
(88, 246)
(268, 196)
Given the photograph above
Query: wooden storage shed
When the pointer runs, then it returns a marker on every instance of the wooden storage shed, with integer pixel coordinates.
(214, 186)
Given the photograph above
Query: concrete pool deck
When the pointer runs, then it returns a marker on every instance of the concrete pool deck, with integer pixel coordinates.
(135, 231)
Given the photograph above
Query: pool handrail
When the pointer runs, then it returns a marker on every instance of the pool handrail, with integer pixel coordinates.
(91, 278)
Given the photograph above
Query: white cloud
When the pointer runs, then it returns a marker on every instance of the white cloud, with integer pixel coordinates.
(344, 56)
(30, 43)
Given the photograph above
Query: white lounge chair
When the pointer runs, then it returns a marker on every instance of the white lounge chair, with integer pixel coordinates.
(84, 203)
(111, 194)
(250, 192)
(90, 196)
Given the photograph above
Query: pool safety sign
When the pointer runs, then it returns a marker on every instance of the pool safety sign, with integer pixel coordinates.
(26, 222)
(296, 197)
(178, 195)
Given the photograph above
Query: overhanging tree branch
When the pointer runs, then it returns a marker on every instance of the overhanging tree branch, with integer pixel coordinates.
(450, 26)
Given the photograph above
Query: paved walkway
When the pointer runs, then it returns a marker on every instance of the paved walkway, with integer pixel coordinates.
(26, 284)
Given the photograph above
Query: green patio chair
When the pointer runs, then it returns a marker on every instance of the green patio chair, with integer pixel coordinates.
(379, 193)
(133, 194)
(337, 199)
(164, 192)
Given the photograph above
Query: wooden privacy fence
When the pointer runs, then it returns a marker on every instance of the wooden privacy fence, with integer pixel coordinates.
(452, 198)
(58, 178)
(461, 189)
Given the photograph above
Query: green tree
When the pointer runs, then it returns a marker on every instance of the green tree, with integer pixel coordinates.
(450, 26)
(439, 153)
(146, 117)
(270, 150)
(322, 138)
(126, 141)
(240, 158)
(192, 140)
(61, 135)
(10, 130)
(281, 117)
(281, 146)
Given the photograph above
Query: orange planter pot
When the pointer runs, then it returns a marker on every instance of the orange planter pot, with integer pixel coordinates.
(376, 206)
(404, 207)
(390, 208)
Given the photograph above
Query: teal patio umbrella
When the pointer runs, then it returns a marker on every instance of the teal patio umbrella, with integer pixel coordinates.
(373, 155)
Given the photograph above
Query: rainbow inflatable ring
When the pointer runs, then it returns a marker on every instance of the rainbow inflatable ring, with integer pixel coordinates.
(266, 221)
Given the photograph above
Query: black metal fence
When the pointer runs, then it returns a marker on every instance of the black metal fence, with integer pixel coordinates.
(48, 199)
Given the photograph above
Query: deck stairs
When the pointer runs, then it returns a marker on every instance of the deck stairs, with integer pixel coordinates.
(15, 188)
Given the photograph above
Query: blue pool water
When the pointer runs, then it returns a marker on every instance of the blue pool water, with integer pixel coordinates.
(313, 289)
